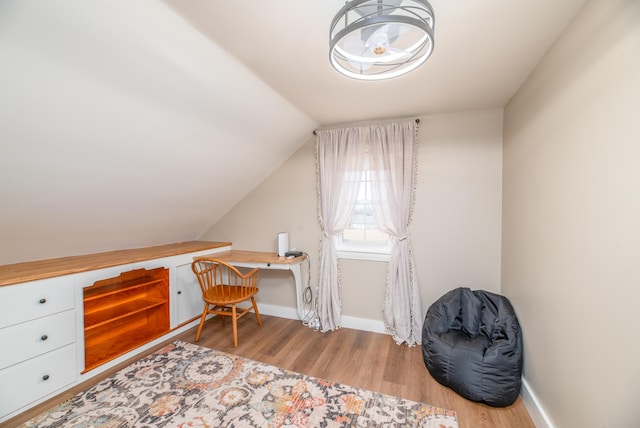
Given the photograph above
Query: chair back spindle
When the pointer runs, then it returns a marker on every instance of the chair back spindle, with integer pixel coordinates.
(223, 286)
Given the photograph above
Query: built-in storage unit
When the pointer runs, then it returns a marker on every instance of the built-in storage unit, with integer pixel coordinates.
(38, 341)
(124, 312)
(134, 299)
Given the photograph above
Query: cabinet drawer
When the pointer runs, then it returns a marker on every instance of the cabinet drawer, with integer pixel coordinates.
(36, 299)
(30, 339)
(34, 379)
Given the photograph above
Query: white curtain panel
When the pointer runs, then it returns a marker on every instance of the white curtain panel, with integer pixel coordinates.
(340, 157)
(392, 153)
(339, 154)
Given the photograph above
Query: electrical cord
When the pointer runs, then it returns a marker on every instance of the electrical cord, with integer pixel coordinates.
(310, 318)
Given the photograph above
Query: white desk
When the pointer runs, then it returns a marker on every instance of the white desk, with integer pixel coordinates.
(264, 260)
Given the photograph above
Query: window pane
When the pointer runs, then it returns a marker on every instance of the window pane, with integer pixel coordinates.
(362, 231)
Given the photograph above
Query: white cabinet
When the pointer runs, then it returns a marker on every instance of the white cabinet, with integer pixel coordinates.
(35, 299)
(38, 377)
(37, 333)
(42, 343)
(37, 337)
(186, 296)
(189, 297)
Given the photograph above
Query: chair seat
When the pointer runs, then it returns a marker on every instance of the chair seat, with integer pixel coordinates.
(232, 294)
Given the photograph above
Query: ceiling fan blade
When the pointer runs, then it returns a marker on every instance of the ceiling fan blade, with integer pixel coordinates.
(354, 45)
(393, 31)
(389, 31)
(392, 55)
(357, 53)
(374, 33)
(398, 53)
(361, 66)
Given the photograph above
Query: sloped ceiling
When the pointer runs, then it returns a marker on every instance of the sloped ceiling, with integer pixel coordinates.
(126, 124)
(484, 50)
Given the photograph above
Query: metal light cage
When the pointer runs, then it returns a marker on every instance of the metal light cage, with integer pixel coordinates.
(413, 43)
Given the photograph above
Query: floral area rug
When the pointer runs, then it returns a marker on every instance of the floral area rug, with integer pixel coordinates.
(185, 385)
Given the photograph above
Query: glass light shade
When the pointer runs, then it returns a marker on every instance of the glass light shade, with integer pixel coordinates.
(381, 39)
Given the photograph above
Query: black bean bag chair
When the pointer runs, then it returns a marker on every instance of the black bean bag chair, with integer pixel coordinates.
(472, 343)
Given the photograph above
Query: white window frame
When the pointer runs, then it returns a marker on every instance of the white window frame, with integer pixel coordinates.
(363, 250)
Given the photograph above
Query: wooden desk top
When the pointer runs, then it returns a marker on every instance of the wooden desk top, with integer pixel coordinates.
(40, 269)
(241, 256)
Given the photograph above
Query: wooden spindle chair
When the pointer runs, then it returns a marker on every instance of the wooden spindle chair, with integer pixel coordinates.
(223, 287)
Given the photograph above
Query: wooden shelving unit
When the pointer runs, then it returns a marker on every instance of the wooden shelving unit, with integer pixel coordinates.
(124, 312)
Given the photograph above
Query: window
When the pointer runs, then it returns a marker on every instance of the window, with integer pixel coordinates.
(362, 239)
(340, 153)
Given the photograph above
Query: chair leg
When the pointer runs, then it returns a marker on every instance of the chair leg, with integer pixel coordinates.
(234, 321)
(255, 309)
(202, 319)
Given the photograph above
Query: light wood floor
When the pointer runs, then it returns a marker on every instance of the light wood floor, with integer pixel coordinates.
(362, 359)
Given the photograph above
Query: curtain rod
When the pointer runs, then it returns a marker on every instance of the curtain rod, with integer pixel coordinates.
(315, 131)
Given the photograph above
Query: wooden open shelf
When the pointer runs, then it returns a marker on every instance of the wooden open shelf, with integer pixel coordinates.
(124, 312)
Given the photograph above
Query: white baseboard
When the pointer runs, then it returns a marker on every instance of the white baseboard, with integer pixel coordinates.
(347, 321)
(536, 411)
(278, 311)
(363, 324)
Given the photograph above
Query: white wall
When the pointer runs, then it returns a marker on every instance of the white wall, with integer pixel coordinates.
(116, 118)
(457, 218)
(456, 223)
(571, 219)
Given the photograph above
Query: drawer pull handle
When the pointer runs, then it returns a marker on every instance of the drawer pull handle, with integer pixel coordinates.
(44, 337)
(43, 301)
(45, 377)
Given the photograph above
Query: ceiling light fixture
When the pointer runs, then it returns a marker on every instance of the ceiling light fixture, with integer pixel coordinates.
(380, 39)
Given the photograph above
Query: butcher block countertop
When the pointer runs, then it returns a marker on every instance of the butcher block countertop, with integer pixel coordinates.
(41, 269)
